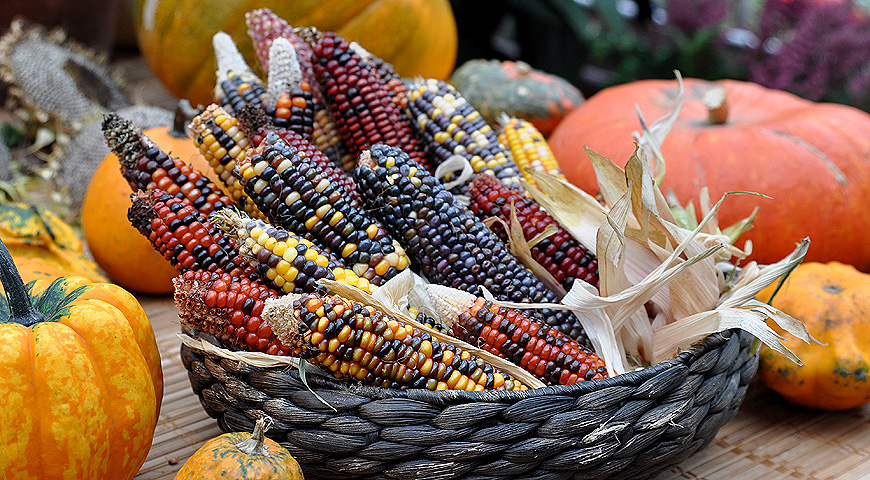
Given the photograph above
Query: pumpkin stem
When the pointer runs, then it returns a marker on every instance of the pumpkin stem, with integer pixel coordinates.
(19, 300)
(256, 443)
(184, 113)
(716, 102)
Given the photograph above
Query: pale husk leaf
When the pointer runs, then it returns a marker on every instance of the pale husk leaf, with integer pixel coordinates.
(653, 136)
(575, 210)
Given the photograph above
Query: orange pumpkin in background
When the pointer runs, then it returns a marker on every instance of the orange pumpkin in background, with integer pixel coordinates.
(812, 158)
(418, 37)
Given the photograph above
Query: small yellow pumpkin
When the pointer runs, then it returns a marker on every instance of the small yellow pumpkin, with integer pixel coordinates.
(833, 301)
(241, 456)
(80, 379)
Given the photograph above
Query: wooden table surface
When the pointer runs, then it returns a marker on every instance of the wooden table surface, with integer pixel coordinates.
(768, 439)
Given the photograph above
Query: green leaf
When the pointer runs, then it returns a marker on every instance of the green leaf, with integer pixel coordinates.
(11, 136)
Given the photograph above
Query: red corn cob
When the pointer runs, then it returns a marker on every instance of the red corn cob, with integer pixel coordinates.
(560, 253)
(228, 308)
(539, 349)
(359, 103)
(145, 166)
(184, 236)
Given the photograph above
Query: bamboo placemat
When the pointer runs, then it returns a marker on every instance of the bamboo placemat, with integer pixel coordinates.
(768, 439)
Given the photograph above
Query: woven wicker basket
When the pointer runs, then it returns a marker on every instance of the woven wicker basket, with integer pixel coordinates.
(630, 426)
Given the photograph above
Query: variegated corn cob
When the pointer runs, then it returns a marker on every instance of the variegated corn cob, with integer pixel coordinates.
(547, 353)
(447, 242)
(264, 27)
(560, 253)
(357, 342)
(184, 236)
(359, 103)
(448, 125)
(286, 262)
(291, 104)
(228, 308)
(223, 144)
(257, 125)
(145, 166)
(528, 147)
(236, 84)
(295, 194)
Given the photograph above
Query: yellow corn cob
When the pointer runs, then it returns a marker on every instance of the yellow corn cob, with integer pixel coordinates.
(287, 262)
(528, 146)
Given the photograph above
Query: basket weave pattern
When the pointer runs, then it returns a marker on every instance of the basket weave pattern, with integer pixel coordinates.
(630, 426)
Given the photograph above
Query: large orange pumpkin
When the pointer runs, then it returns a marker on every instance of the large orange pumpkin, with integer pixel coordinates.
(417, 36)
(80, 391)
(812, 158)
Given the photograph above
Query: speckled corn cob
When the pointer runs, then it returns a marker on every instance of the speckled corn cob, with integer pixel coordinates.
(295, 194)
(228, 308)
(541, 350)
(286, 262)
(264, 26)
(447, 242)
(359, 103)
(223, 144)
(528, 147)
(357, 342)
(448, 125)
(560, 253)
(257, 125)
(185, 237)
(145, 166)
(236, 85)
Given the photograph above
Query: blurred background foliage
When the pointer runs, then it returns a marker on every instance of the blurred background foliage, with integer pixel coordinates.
(819, 49)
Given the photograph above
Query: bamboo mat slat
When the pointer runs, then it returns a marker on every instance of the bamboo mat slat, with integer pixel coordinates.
(767, 440)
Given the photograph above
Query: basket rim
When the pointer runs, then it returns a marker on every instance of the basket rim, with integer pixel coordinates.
(633, 378)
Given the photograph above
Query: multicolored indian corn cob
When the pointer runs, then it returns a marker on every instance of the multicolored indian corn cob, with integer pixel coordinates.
(290, 102)
(229, 308)
(560, 253)
(236, 84)
(448, 243)
(223, 144)
(528, 147)
(547, 353)
(357, 99)
(257, 125)
(264, 27)
(448, 125)
(145, 166)
(357, 342)
(295, 194)
(184, 236)
(286, 262)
